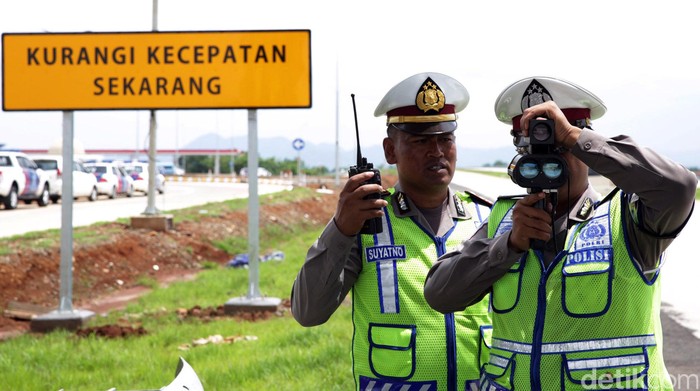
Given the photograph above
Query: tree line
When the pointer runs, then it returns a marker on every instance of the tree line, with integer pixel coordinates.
(229, 164)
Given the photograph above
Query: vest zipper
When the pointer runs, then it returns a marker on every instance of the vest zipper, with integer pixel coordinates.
(450, 333)
(536, 356)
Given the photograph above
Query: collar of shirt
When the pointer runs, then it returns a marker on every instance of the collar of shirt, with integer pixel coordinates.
(583, 209)
(404, 207)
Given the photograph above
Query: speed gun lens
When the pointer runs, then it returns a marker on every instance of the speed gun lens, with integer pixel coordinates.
(552, 170)
(541, 132)
(538, 171)
(529, 170)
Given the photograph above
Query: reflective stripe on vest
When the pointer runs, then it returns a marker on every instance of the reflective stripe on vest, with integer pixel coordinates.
(576, 346)
(385, 254)
(367, 384)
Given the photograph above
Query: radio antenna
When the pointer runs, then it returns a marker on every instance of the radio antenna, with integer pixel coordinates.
(357, 131)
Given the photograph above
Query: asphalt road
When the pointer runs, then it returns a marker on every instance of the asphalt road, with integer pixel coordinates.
(177, 195)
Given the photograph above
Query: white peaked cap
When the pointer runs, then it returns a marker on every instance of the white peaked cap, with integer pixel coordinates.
(425, 103)
(576, 102)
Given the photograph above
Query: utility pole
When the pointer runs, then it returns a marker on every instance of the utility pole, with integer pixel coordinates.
(151, 203)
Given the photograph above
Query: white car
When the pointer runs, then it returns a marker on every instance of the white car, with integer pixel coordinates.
(112, 179)
(22, 179)
(84, 182)
(262, 172)
(139, 173)
(170, 169)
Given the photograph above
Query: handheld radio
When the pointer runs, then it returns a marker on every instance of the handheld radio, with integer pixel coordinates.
(373, 225)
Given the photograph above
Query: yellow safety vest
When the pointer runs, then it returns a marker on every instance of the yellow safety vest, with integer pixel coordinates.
(399, 342)
(589, 321)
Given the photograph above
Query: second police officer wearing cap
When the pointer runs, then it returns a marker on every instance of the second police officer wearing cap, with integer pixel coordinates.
(399, 342)
(583, 312)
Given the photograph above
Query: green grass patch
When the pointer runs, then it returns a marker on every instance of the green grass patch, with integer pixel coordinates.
(498, 174)
(232, 245)
(278, 352)
(88, 235)
(52, 237)
(148, 282)
(32, 240)
(195, 213)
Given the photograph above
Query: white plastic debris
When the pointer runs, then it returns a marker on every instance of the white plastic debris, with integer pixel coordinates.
(185, 379)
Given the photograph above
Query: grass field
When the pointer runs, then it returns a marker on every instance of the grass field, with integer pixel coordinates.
(275, 353)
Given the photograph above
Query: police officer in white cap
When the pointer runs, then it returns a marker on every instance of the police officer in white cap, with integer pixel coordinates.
(583, 311)
(399, 341)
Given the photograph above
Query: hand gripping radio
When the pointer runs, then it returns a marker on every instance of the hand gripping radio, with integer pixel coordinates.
(373, 225)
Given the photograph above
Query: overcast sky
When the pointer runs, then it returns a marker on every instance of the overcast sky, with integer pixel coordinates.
(639, 57)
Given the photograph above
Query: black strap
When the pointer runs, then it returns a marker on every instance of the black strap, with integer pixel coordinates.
(608, 197)
(511, 197)
(479, 198)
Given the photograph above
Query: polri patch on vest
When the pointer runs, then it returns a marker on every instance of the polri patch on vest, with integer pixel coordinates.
(589, 255)
(385, 253)
(594, 242)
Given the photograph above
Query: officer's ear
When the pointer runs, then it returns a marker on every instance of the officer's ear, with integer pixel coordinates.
(389, 151)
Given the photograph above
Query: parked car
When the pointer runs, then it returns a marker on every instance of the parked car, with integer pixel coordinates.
(84, 182)
(170, 169)
(22, 179)
(261, 172)
(112, 179)
(139, 173)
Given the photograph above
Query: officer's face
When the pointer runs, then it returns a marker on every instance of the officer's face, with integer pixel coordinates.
(425, 163)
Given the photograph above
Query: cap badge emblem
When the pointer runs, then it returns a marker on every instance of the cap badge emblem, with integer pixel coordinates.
(430, 96)
(534, 94)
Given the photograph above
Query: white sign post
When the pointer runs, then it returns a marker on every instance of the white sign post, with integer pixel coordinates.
(65, 316)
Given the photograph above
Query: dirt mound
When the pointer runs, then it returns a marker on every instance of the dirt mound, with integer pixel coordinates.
(107, 274)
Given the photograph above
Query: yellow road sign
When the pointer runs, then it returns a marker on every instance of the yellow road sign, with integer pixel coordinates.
(156, 70)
